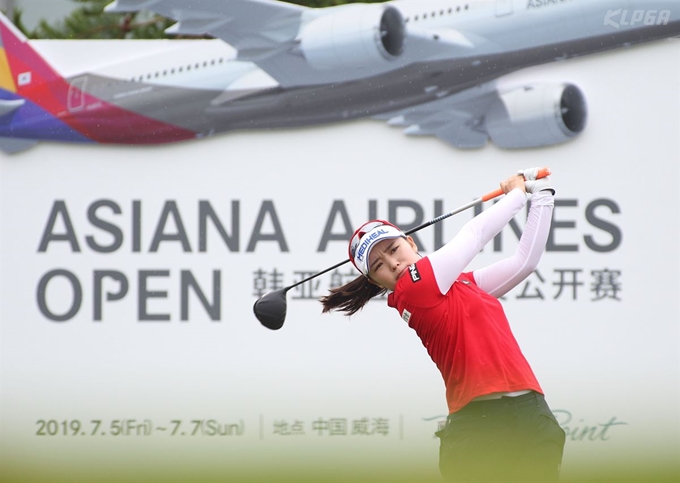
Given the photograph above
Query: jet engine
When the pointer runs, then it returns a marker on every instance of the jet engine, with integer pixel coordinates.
(355, 36)
(536, 115)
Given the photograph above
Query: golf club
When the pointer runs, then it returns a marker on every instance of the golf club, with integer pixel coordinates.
(270, 309)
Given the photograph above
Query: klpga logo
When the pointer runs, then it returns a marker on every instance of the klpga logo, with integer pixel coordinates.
(618, 18)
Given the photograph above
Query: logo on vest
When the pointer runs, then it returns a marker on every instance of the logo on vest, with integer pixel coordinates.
(406, 315)
(415, 276)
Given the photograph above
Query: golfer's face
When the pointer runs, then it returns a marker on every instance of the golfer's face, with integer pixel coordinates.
(389, 260)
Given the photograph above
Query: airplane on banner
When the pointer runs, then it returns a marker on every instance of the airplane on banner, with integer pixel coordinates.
(429, 66)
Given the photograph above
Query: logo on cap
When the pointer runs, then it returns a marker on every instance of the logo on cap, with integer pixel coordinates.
(367, 242)
(366, 237)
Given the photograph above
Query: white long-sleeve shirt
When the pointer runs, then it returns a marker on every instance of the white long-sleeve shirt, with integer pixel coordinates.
(499, 278)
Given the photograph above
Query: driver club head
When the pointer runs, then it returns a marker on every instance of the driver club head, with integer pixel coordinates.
(270, 309)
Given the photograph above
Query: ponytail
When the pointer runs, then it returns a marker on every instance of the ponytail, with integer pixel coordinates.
(351, 297)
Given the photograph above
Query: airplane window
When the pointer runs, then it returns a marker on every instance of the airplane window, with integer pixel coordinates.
(212, 62)
(198, 65)
(205, 64)
(406, 20)
(434, 14)
(181, 69)
(148, 76)
(165, 72)
(458, 8)
(220, 60)
(441, 12)
(466, 7)
(188, 67)
(172, 71)
(450, 10)
(156, 74)
(415, 18)
(424, 15)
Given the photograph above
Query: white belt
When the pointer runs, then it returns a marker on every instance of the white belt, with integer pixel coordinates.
(498, 395)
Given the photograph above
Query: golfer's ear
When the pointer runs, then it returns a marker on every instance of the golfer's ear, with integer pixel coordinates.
(411, 242)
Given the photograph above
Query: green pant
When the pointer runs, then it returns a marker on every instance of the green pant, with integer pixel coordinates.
(511, 439)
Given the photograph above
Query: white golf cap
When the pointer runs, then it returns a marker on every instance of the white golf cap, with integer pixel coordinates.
(366, 237)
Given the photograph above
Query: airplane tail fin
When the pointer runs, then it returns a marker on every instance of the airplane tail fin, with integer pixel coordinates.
(32, 94)
(9, 101)
(7, 30)
(22, 70)
(38, 103)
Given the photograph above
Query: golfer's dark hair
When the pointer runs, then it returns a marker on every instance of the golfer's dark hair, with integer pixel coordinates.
(351, 297)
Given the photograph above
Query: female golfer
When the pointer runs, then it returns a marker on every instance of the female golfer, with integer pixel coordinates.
(499, 426)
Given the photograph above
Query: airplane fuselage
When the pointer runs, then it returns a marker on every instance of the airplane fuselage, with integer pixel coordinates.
(193, 88)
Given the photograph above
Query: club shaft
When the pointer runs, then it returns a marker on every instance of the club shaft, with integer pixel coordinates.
(444, 216)
(412, 230)
(339, 264)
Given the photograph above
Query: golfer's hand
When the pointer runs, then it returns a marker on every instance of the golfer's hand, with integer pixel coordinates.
(533, 185)
(515, 181)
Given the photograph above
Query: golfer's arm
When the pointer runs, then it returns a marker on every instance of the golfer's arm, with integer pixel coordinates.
(502, 276)
(450, 260)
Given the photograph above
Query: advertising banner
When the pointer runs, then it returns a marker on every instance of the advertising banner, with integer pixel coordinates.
(129, 346)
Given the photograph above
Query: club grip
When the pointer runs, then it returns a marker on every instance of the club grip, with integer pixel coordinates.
(542, 173)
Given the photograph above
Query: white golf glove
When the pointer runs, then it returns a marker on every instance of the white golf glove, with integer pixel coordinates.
(534, 185)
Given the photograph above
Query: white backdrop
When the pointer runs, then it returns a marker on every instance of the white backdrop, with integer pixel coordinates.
(326, 389)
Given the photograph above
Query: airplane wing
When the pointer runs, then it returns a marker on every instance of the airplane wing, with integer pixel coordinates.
(457, 119)
(304, 46)
(520, 116)
(250, 26)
